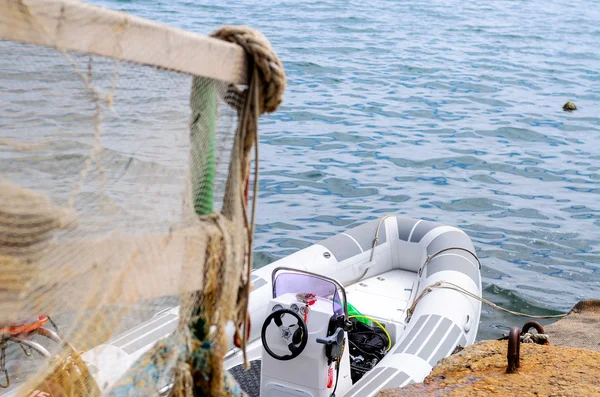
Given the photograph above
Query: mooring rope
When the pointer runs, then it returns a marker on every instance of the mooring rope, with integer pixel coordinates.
(540, 339)
(446, 284)
(452, 286)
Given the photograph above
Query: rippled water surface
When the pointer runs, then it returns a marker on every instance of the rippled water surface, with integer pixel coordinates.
(447, 111)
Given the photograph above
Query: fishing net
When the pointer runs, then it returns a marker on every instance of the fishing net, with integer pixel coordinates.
(124, 178)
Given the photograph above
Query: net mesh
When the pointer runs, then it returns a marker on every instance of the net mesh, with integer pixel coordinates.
(105, 167)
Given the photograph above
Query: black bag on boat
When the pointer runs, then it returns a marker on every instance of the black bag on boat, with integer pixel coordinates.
(368, 345)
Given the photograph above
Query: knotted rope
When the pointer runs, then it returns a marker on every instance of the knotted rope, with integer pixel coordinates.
(540, 339)
(270, 70)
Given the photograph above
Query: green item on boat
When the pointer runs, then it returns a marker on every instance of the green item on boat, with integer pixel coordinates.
(352, 311)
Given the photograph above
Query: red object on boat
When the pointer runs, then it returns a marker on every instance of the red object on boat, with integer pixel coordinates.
(237, 339)
(23, 328)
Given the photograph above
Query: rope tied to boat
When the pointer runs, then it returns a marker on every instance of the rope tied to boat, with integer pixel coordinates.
(452, 248)
(525, 336)
(540, 339)
(376, 238)
(529, 337)
(452, 286)
(375, 243)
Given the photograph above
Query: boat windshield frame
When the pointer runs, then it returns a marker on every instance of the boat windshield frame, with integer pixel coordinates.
(340, 288)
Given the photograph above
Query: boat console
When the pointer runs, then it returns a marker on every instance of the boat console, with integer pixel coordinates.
(304, 337)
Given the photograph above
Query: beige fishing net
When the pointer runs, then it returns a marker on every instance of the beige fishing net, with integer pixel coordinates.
(123, 192)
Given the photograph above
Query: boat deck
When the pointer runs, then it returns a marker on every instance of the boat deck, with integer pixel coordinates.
(386, 296)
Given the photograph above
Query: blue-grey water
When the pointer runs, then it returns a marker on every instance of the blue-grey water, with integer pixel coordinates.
(441, 110)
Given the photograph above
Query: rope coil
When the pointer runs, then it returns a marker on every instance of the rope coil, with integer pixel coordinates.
(270, 70)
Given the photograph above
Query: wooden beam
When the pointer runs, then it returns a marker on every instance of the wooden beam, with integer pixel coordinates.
(70, 25)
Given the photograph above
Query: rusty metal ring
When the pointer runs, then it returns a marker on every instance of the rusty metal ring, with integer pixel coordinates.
(532, 324)
(514, 350)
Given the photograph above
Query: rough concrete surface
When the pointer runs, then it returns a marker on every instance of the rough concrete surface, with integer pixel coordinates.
(480, 370)
(581, 328)
(569, 366)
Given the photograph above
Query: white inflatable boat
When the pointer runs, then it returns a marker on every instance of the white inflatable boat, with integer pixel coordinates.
(306, 342)
(381, 268)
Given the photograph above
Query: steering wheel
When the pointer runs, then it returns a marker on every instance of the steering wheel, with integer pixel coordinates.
(298, 338)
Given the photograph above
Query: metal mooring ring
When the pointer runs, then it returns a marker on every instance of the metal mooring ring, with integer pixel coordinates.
(532, 324)
(514, 349)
